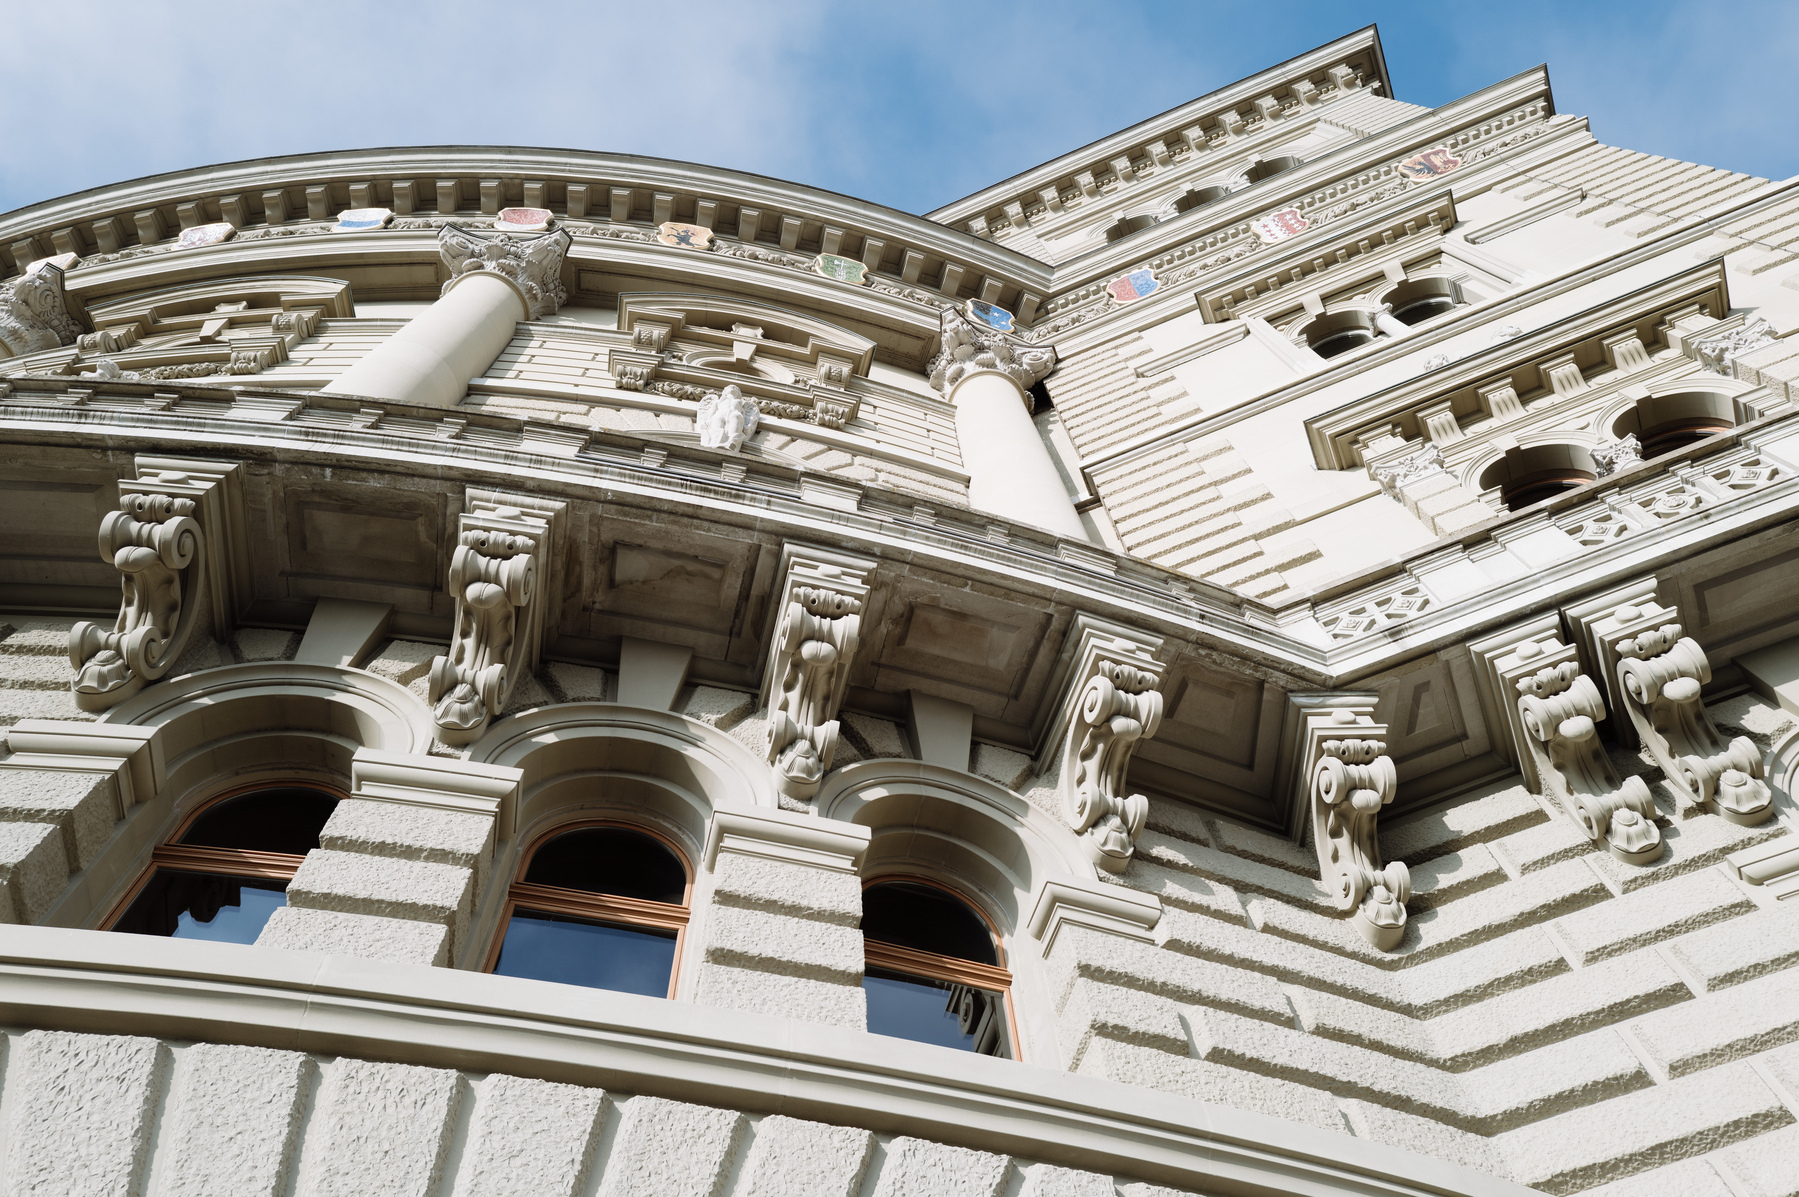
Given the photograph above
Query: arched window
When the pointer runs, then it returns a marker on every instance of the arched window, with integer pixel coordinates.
(1199, 196)
(599, 905)
(226, 869)
(1124, 226)
(1267, 168)
(1528, 476)
(1664, 423)
(933, 970)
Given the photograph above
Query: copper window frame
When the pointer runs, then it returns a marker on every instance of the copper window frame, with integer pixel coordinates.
(227, 862)
(937, 967)
(615, 909)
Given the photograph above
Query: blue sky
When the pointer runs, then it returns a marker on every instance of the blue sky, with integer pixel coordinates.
(910, 105)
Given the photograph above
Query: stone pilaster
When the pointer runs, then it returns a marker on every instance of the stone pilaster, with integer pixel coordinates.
(780, 933)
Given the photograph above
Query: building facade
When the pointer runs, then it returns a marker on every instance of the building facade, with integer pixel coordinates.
(1258, 657)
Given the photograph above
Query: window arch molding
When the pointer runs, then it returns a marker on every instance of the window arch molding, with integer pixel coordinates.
(1694, 399)
(1415, 289)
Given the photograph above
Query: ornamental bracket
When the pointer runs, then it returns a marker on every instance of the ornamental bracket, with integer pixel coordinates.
(1660, 673)
(498, 578)
(160, 551)
(1110, 703)
(1349, 779)
(818, 624)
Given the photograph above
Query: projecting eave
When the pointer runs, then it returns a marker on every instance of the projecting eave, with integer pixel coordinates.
(317, 187)
(1361, 49)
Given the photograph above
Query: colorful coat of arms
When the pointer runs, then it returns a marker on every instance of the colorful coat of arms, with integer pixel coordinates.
(1134, 286)
(1429, 165)
(355, 220)
(523, 220)
(1278, 226)
(990, 314)
(205, 234)
(687, 236)
(844, 270)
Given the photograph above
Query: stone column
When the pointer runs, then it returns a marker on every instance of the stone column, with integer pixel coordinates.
(779, 933)
(986, 375)
(495, 281)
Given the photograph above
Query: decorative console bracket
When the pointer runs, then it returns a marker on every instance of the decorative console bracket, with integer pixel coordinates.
(818, 623)
(496, 579)
(33, 315)
(173, 542)
(1109, 704)
(1660, 673)
(1349, 778)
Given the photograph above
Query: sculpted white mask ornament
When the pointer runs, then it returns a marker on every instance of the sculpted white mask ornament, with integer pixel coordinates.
(727, 420)
(817, 642)
(1115, 711)
(492, 575)
(156, 544)
(1351, 781)
(1560, 706)
(1661, 672)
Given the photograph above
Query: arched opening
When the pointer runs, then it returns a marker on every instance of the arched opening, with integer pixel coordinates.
(1664, 423)
(1199, 196)
(603, 905)
(933, 968)
(1124, 226)
(226, 869)
(1338, 333)
(1417, 300)
(1526, 477)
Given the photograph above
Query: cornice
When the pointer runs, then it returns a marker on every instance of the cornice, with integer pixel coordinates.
(447, 1018)
(732, 189)
(1167, 125)
(1324, 180)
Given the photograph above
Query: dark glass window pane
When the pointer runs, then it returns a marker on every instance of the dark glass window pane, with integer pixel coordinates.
(610, 860)
(550, 947)
(203, 906)
(938, 1012)
(281, 819)
(927, 919)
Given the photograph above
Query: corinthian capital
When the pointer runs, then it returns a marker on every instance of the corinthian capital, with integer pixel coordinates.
(532, 264)
(969, 348)
(157, 547)
(818, 630)
(32, 315)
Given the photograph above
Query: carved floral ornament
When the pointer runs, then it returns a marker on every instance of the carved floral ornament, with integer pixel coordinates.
(1351, 779)
(532, 264)
(32, 315)
(969, 348)
(157, 546)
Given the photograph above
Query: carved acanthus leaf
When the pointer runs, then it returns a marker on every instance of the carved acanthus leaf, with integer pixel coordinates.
(1560, 707)
(1350, 779)
(968, 349)
(1409, 469)
(1621, 454)
(1719, 354)
(532, 263)
(156, 545)
(1660, 673)
(32, 315)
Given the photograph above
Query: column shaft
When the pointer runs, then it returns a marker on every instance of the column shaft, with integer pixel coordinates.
(1010, 472)
(431, 360)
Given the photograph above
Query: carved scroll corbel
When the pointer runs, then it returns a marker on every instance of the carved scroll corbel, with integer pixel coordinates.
(158, 548)
(815, 641)
(1660, 673)
(1560, 707)
(1350, 780)
(1108, 680)
(499, 594)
